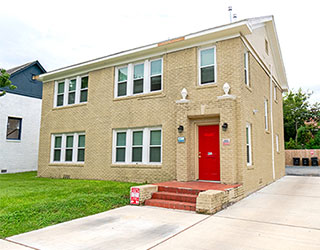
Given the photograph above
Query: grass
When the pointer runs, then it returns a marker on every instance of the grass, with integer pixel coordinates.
(28, 202)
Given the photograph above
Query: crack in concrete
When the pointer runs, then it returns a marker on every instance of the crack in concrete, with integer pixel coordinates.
(17, 243)
(271, 223)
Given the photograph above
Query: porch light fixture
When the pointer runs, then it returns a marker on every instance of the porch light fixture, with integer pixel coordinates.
(225, 126)
(180, 129)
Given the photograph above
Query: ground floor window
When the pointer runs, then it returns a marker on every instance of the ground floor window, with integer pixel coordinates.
(137, 145)
(68, 148)
(248, 144)
(14, 128)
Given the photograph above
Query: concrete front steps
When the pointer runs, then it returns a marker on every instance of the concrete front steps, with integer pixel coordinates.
(174, 198)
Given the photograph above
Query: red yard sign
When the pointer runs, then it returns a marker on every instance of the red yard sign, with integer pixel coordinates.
(134, 196)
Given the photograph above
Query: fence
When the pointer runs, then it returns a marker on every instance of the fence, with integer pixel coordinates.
(301, 153)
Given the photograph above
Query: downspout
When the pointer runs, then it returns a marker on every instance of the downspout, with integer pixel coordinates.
(271, 121)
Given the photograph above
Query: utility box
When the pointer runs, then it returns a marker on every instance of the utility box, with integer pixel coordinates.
(296, 161)
(314, 161)
(305, 161)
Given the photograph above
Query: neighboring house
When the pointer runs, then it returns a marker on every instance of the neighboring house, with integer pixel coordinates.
(20, 114)
(122, 117)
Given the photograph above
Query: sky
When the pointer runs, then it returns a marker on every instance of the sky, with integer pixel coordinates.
(60, 33)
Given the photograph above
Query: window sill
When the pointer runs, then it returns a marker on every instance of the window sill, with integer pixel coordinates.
(64, 164)
(248, 88)
(267, 131)
(207, 85)
(140, 166)
(250, 167)
(155, 94)
(13, 140)
(276, 101)
(70, 106)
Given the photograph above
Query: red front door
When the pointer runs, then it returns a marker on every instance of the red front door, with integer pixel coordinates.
(209, 153)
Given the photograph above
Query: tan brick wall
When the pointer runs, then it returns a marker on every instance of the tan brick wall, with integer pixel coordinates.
(103, 113)
(261, 173)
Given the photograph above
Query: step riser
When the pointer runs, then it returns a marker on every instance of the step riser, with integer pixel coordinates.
(174, 197)
(170, 205)
(178, 190)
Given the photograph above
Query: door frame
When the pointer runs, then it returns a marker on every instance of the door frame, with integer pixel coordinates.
(197, 124)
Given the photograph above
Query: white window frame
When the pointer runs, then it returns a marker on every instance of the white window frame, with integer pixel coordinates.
(266, 115)
(199, 65)
(129, 146)
(130, 78)
(249, 144)
(80, 89)
(277, 143)
(66, 91)
(149, 76)
(246, 69)
(72, 91)
(63, 148)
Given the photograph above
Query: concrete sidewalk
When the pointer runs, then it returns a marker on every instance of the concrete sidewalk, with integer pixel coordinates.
(127, 227)
(283, 215)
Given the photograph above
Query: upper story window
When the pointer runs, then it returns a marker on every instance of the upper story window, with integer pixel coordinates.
(246, 69)
(275, 93)
(137, 146)
(207, 65)
(266, 46)
(138, 78)
(68, 148)
(71, 91)
(14, 128)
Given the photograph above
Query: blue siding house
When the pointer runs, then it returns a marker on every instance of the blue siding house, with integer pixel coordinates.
(20, 115)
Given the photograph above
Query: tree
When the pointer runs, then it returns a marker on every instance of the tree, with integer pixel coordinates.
(301, 121)
(5, 81)
(295, 112)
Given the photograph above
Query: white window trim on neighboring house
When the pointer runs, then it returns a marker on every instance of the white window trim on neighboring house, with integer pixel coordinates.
(277, 143)
(246, 69)
(266, 121)
(66, 91)
(63, 148)
(129, 145)
(130, 78)
(214, 64)
(249, 144)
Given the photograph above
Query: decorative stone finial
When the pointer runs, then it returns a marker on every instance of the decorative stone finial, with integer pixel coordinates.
(226, 88)
(184, 94)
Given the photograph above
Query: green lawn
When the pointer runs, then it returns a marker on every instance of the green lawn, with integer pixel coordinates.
(28, 203)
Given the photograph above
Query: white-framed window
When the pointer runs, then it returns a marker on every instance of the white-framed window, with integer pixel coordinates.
(138, 78)
(68, 148)
(246, 68)
(248, 144)
(207, 65)
(266, 124)
(277, 143)
(275, 92)
(14, 128)
(137, 146)
(71, 91)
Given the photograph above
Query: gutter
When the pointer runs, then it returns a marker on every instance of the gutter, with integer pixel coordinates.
(159, 48)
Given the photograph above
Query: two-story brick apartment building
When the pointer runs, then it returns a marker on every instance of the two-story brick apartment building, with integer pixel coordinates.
(122, 117)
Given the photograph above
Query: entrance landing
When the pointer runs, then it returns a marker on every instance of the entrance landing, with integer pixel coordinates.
(183, 195)
(198, 185)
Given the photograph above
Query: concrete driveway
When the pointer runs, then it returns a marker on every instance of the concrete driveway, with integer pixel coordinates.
(283, 215)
